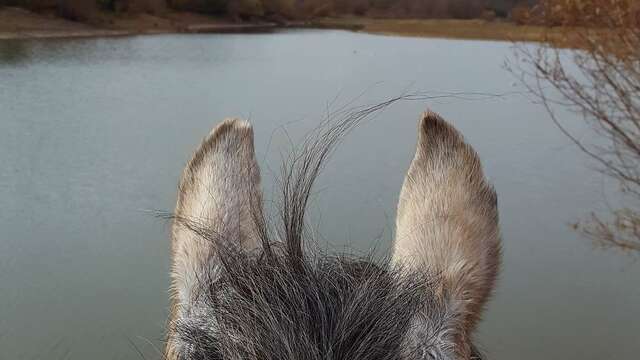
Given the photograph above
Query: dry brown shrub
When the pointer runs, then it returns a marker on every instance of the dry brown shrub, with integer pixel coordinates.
(590, 13)
(520, 14)
(281, 8)
(488, 15)
(245, 9)
(201, 6)
(146, 6)
(315, 9)
(601, 84)
(78, 10)
(34, 5)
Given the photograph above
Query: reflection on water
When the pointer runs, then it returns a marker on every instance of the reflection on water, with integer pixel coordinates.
(13, 52)
(94, 133)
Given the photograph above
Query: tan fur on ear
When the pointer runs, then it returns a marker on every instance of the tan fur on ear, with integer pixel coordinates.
(447, 222)
(219, 189)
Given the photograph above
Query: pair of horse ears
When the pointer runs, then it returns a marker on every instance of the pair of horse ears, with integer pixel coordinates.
(447, 217)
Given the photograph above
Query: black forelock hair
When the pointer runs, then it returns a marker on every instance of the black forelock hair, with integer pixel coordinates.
(259, 307)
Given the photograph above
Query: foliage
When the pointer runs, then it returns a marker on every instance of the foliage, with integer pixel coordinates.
(520, 14)
(245, 8)
(147, 6)
(601, 83)
(203, 6)
(284, 8)
(465, 9)
(77, 10)
(31, 4)
(590, 13)
(288, 9)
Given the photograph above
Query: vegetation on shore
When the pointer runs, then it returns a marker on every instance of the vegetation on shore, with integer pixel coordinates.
(279, 10)
(399, 17)
(601, 84)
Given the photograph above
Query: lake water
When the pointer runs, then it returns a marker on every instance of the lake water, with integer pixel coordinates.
(94, 134)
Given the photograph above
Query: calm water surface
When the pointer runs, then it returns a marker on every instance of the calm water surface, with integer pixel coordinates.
(94, 134)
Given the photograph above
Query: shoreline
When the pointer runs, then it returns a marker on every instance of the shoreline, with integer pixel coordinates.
(98, 32)
(20, 24)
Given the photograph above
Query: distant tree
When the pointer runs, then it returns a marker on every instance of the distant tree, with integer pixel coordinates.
(240, 9)
(202, 6)
(31, 4)
(314, 8)
(77, 10)
(502, 8)
(600, 83)
(465, 9)
(382, 4)
(136, 6)
(283, 8)
(287, 9)
(520, 14)
(358, 7)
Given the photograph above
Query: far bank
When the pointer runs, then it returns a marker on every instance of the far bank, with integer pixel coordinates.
(16, 23)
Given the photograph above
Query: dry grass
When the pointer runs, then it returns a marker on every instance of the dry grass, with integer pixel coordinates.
(452, 29)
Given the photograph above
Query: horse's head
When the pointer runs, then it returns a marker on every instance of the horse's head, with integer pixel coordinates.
(239, 292)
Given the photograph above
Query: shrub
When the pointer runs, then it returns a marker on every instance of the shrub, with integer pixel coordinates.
(316, 8)
(35, 5)
(284, 8)
(465, 9)
(147, 6)
(488, 15)
(243, 9)
(359, 7)
(77, 10)
(600, 83)
(593, 13)
(381, 4)
(203, 6)
(520, 15)
(107, 4)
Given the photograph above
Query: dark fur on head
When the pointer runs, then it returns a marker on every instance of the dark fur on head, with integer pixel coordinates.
(262, 307)
(281, 299)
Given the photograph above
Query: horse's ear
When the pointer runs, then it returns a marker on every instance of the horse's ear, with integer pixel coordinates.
(447, 222)
(219, 204)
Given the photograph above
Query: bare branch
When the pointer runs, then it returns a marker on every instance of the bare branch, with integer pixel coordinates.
(600, 82)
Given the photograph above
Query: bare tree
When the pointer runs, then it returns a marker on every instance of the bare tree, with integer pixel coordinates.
(600, 81)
